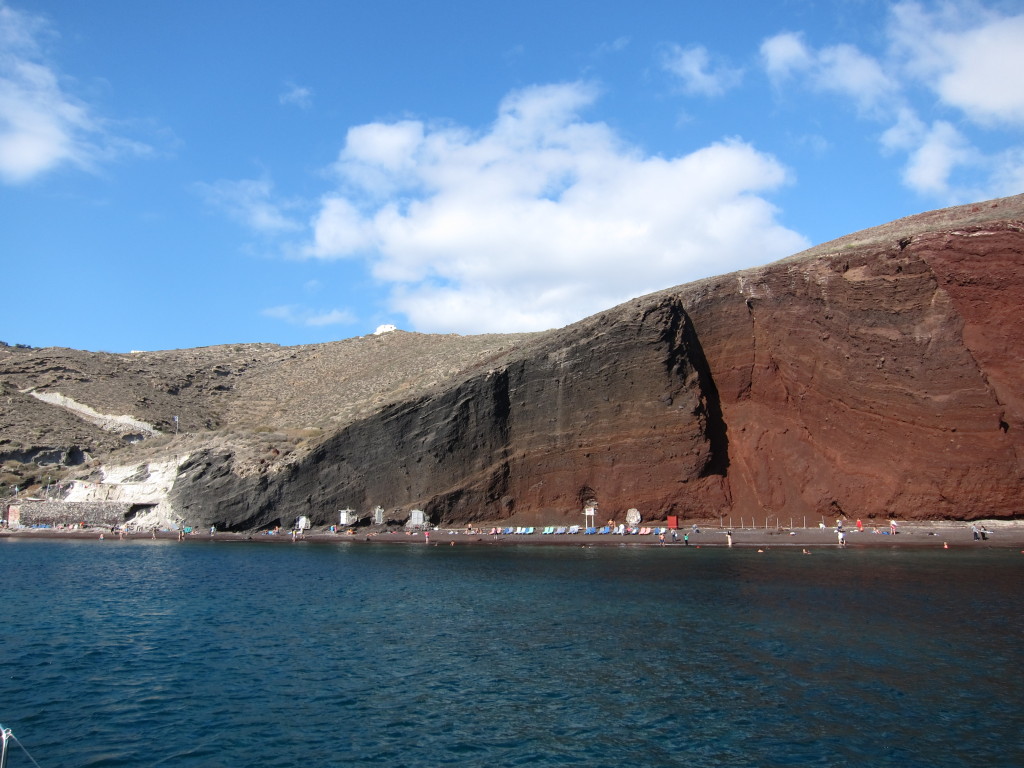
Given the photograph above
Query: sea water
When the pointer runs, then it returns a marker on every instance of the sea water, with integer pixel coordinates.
(158, 653)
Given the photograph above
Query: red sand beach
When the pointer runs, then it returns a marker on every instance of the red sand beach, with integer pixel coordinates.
(938, 535)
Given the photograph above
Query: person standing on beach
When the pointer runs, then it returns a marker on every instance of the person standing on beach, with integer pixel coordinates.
(841, 534)
(686, 539)
(661, 539)
(728, 538)
(975, 532)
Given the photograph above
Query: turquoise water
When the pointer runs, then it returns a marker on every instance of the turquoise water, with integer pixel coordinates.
(153, 653)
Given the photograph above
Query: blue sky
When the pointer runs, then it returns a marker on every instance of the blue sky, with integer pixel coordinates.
(181, 174)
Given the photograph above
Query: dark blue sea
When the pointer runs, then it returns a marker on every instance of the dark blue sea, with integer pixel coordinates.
(157, 653)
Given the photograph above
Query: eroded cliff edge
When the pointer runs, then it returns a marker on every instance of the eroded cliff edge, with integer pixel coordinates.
(873, 378)
(878, 374)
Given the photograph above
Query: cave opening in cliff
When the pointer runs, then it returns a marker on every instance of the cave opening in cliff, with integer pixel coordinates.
(138, 509)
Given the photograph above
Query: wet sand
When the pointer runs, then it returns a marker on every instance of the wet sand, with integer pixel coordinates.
(936, 535)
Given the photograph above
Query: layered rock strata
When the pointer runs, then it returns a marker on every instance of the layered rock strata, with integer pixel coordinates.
(876, 375)
(865, 379)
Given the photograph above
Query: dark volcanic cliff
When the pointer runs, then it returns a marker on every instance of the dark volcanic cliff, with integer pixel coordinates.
(878, 374)
(615, 408)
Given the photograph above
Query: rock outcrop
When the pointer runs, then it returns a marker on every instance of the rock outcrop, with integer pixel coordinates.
(875, 375)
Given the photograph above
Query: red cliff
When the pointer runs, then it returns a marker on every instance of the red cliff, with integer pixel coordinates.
(879, 374)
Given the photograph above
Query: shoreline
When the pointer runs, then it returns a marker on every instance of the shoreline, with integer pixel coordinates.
(932, 535)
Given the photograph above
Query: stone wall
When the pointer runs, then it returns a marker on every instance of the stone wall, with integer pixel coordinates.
(54, 513)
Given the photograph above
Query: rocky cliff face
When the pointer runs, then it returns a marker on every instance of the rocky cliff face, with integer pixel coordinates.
(875, 375)
(614, 408)
(874, 381)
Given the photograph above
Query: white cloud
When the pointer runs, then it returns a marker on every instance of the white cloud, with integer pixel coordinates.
(840, 69)
(41, 126)
(906, 132)
(297, 315)
(940, 151)
(249, 202)
(965, 54)
(785, 54)
(693, 67)
(339, 230)
(846, 70)
(543, 218)
(378, 157)
(971, 57)
(297, 95)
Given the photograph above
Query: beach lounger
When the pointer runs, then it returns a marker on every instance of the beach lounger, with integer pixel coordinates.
(604, 530)
(528, 530)
(590, 531)
(560, 530)
(547, 530)
(574, 529)
(507, 531)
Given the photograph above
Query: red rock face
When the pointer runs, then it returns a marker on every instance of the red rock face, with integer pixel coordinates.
(873, 376)
(875, 382)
